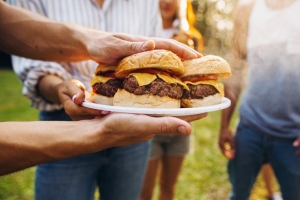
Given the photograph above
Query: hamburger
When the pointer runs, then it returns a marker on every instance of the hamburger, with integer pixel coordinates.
(201, 76)
(104, 84)
(151, 80)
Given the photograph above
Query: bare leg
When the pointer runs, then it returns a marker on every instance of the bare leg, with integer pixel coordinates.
(149, 181)
(268, 177)
(171, 167)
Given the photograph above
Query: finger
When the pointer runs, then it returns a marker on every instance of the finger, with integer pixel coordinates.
(78, 84)
(182, 50)
(78, 110)
(78, 98)
(297, 142)
(164, 125)
(190, 118)
(298, 153)
(138, 47)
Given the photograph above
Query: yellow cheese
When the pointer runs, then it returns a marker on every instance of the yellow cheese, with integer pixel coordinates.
(170, 80)
(182, 83)
(99, 79)
(146, 79)
(218, 85)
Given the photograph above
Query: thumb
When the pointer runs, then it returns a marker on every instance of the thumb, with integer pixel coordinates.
(137, 47)
(75, 91)
(171, 125)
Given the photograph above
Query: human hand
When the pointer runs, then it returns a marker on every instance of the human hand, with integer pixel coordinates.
(190, 118)
(120, 129)
(297, 144)
(226, 143)
(71, 94)
(110, 48)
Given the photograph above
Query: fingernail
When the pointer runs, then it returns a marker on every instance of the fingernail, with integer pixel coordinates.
(74, 97)
(182, 130)
(296, 143)
(105, 112)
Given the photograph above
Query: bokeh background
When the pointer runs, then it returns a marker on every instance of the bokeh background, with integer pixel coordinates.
(204, 174)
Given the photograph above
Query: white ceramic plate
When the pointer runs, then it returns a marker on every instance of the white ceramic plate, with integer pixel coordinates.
(160, 111)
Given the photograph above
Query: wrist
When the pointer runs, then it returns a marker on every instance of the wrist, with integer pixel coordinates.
(82, 36)
(91, 136)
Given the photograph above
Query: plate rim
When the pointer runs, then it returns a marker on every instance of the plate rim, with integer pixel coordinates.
(159, 111)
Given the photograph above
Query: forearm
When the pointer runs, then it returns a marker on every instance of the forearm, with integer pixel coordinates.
(228, 112)
(25, 144)
(48, 88)
(36, 39)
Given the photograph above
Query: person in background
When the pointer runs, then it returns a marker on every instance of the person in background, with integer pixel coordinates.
(267, 40)
(118, 172)
(268, 177)
(25, 144)
(167, 153)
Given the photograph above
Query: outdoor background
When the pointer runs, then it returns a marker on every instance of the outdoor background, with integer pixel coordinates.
(204, 174)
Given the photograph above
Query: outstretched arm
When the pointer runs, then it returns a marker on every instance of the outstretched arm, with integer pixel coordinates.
(25, 144)
(30, 35)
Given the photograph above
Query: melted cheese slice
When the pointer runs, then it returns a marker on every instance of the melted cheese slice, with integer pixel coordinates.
(143, 78)
(146, 79)
(99, 79)
(218, 85)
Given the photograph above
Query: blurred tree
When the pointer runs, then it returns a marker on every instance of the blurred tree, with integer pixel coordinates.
(214, 21)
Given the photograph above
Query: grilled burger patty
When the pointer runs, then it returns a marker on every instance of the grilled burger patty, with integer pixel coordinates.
(109, 88)
(157, 87)
(199, 91)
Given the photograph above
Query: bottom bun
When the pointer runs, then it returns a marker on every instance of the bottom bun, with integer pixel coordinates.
(127, 99)
(100, 99)
(207, 101)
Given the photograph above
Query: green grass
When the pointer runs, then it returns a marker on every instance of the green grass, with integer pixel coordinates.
(203, 176)
(15, 107)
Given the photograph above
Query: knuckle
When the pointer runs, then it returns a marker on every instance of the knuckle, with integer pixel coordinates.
(165, 128)
(132, 47)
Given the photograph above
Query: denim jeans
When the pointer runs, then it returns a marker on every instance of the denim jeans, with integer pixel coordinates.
(118, 172)
(253, 149)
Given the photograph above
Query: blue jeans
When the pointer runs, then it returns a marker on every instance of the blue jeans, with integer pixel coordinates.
(253, 149)
(118, 172)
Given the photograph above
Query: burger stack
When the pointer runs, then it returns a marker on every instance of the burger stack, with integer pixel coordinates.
(159, 79)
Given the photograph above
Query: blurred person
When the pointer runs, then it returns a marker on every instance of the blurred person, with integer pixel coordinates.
(167, 153)
(46, 83)
(268, 178)
(31, 143)
(267, 40)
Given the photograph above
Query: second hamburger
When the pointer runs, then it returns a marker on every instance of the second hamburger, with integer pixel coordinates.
(201, 75)
(105, 84)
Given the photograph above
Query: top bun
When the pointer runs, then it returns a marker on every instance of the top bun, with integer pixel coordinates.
(159, 59)
(105, 67)
(209, 64)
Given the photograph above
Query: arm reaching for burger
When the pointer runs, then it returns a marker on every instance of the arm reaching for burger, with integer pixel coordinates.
(32, 143)
(18, 27)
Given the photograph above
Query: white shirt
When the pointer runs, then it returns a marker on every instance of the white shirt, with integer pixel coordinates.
(139, 17)
(270, 101)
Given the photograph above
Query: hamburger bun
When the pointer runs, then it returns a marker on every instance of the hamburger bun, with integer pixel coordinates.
(201, 75)
(127, 99)
(156, 59)
(209, 64)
